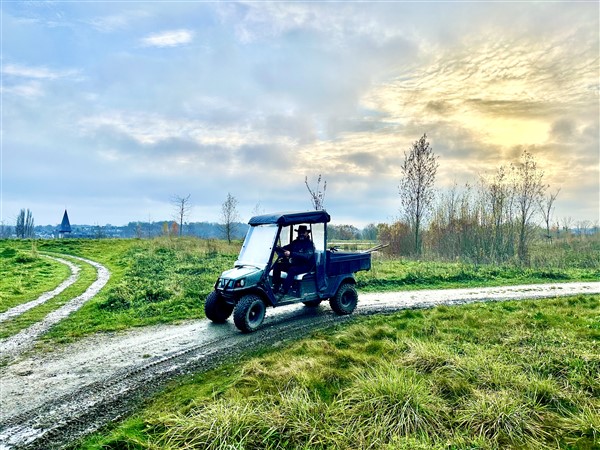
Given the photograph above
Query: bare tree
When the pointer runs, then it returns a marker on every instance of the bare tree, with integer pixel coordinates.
(500, 199)
(317, 196)
(138, 230)
(182, 209)
(546, 207)
(258, 209)
(5, 230)
(417, 186)
(25, 224)
(20, 225)
(229, 216)
(582, 226)
(567, 222)
(529, 189)
(29, 225)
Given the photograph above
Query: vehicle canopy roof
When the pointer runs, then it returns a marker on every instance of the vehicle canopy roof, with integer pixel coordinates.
(291, 218)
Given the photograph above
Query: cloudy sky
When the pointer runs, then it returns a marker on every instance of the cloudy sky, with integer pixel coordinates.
(109, 109)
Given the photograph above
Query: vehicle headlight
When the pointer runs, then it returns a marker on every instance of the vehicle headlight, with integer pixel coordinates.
(240, 283)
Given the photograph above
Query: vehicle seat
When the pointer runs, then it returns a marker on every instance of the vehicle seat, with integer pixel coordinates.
(300, 276)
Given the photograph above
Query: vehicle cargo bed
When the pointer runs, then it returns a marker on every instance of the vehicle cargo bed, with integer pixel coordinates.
(339, 263)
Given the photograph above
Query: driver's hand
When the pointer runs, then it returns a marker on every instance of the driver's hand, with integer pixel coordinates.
(287, 253)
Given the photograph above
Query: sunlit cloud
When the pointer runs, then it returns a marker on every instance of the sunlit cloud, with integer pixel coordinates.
(173, 38)
(507, 92)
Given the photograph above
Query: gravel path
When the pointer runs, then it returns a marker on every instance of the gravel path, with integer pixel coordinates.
(48, 400)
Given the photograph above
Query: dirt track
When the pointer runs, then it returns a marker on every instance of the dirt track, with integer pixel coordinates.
(49, 400)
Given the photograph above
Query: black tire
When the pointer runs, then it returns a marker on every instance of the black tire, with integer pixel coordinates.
(249, 313)
(312, 303)
(216, 309)
(345, 300)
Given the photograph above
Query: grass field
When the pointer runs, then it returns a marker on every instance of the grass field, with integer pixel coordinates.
(482, 376)
(166, 280)
(508, 375)
(24, 275)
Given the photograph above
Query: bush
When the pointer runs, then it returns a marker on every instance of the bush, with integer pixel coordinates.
(24, 257)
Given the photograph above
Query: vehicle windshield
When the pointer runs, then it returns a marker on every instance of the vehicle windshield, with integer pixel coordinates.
(257, 246)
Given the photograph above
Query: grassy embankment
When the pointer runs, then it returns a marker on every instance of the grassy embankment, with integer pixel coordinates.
(508, 375)
(166, 280)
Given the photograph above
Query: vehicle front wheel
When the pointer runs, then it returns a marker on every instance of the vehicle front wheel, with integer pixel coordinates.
(345, 300)
(216, 309)
(249, 313)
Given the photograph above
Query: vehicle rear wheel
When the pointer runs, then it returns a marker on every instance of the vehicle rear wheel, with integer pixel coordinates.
(312, 303)
(249, 313)
(216, 309)
(345, 300)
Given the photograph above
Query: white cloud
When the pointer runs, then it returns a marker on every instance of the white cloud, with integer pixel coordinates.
(36, 72)
(154, 129)
(28, 90)
(121, 21)
(172, 38)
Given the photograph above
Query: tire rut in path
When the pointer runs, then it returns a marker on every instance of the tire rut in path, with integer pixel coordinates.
(20, 309)
(13, 346)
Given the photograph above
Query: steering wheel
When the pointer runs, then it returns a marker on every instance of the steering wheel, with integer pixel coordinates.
(280, 251)
(280, 255)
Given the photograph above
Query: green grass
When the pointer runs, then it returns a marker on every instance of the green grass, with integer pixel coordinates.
(166, 280)
(152, 281)
(87, 276)
(513, 375)
(157, 281)
(25, 275)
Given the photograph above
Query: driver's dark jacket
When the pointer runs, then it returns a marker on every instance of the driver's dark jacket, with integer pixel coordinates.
(302, 253)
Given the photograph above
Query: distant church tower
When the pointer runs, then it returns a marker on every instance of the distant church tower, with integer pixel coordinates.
(65, 226)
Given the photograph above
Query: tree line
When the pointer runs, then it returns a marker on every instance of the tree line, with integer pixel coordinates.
(493, 220)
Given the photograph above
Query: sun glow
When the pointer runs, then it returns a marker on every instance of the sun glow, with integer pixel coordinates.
(507, 132)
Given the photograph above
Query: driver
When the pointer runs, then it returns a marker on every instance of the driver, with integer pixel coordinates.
(298, 258)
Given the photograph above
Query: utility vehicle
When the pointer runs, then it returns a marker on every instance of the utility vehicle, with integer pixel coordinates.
(247, 289)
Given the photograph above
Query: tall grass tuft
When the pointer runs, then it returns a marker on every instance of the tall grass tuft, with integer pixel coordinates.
(504, 419)
(389, 401)
(582, 428)
(293, 418)
(428, 356)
